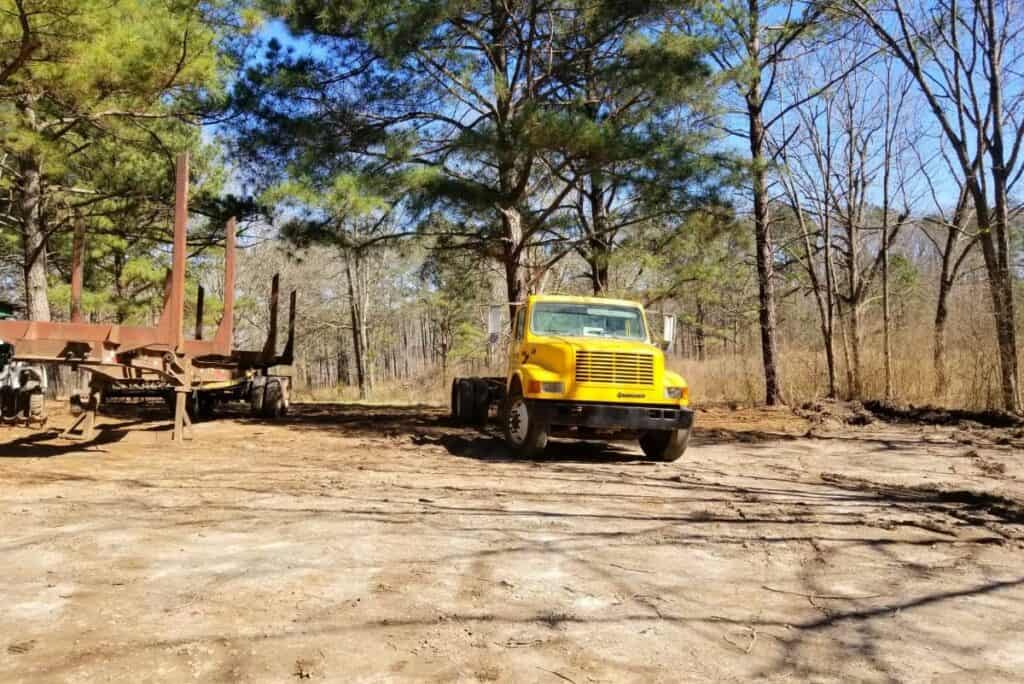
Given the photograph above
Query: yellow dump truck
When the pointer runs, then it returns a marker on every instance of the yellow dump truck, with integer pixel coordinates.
(584, 367)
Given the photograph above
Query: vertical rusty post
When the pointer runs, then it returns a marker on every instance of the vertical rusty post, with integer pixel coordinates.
(270, 348)
(225, 331)
(178, 431)
(287, 356)
(199, 312)
(77, 269)
(176, 301)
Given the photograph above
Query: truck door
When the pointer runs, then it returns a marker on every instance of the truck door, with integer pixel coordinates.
(516, 350)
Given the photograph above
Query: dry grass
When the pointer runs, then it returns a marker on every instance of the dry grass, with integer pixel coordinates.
(972, 376)
(425, 389)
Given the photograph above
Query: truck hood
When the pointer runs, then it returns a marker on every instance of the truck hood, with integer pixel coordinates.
(576, 344)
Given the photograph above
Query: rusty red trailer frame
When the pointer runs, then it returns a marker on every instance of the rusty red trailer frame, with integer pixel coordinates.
(146, 356)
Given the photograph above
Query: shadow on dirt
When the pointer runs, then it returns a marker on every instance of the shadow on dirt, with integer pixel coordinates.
(489, 446)
(42, 444)
(422, 422)
(352, 419)
(128, 418)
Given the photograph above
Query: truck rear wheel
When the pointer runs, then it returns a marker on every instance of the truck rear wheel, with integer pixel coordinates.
(463, 401)
(664, 445)
(481, 403)
(456, 403)
(523, 432)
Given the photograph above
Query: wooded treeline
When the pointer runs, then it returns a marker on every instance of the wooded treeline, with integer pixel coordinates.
(825, 191)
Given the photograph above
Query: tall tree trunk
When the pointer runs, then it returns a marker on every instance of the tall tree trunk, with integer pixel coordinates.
(855, 290)
(37, 301)
(855, 349)
(599, 247)
(363, 293)
(356, 317)
(947, 278)
(886, 342)
(699, 341)
(343, 375)
(845, 339)
(512, 254)
(822, 299)
(1001, 271)
(764, 255)
(762, 219)
(1000, 281)
(939, 348)
(830, 309)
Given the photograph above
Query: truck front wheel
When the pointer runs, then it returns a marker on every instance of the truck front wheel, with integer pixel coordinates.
(523, 432)
(664, 445)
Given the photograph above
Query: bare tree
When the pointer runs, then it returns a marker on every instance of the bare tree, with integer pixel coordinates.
(757, 39)
(966, 59)
(842, 154)
(953, 242)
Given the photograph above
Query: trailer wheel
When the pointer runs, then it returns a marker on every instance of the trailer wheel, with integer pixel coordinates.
(194, 405)
(274, 405)
(207, 406)
(664, 445)
(523, 432)
(256, 401)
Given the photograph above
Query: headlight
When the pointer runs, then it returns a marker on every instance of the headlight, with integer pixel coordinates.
(673, 392)
(552, 387)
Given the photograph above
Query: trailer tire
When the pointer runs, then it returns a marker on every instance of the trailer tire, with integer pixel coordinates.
(194, 405)
(274, 405)
(206, 405)
(523, 432)
(256, 401)
(664, 445)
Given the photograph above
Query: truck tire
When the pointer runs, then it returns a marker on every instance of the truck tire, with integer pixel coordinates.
(466, 400)
(523, 432)
(664, 445)
(456, 404)
(481, 403)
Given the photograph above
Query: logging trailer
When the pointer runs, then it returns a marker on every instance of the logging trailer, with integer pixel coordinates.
(191, 375)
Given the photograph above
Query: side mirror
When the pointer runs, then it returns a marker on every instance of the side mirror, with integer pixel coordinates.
(494, 314)
(668, 332)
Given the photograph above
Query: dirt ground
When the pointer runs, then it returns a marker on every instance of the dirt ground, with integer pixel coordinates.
(382, 544)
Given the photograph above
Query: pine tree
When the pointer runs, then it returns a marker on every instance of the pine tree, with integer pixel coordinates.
(106, 85)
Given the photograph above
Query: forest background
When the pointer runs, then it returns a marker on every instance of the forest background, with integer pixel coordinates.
(827, 194)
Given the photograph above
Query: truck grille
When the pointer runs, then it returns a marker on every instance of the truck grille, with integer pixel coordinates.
(614, 368)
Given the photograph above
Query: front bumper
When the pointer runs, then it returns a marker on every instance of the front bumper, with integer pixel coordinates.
(640, 417)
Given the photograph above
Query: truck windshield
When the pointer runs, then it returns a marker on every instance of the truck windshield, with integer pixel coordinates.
(588, 320)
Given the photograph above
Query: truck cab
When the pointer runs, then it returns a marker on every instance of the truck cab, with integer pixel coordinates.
(587, 366)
